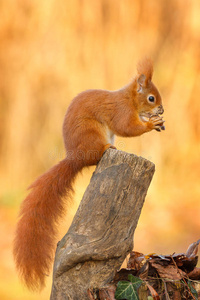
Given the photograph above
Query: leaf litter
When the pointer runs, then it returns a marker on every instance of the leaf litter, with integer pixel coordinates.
(153, 276)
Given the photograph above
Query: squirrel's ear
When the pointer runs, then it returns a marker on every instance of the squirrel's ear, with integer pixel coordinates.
(141, 81)
(145, 72)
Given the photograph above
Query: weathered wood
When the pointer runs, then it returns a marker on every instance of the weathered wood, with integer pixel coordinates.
(101, 234)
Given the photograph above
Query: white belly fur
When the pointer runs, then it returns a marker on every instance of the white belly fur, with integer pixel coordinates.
(110, 136)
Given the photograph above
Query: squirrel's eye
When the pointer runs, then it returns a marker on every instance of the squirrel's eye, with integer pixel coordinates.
(151, 98)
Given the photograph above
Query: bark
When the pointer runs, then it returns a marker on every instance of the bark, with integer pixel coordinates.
(101, 234)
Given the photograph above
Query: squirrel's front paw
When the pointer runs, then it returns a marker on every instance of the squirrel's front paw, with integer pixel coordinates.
(156, 122)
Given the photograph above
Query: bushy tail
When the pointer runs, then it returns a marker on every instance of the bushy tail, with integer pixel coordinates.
(34, 241)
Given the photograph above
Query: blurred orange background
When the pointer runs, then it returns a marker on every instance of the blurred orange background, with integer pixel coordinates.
(50, 51)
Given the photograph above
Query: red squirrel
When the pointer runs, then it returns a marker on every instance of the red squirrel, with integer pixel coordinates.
(91, 121)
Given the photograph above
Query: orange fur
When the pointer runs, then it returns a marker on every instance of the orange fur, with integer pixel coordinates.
(145, 67)
(92, 119)
(36, 229)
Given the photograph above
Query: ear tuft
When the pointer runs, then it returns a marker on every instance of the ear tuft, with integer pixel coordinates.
(145, 71)
(141, 80)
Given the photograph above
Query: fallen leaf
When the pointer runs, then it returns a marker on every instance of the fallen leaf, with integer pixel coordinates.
(168, 272)
(136, 260)
(107, 293)
(143, 272)
(192, 250)
(153, 292)
(194, 274)
(122, 275)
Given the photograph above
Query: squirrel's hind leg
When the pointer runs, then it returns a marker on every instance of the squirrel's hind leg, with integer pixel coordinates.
(92, 145)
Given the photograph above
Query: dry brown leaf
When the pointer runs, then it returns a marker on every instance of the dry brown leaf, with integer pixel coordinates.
(107, 293)
(123, 275)
(169, 272)
(143, 272)
(160, 259)
(192, 250)
(153, 292)
(195, 274)
(136, 260)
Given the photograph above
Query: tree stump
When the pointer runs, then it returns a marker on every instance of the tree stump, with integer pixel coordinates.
(101, 234)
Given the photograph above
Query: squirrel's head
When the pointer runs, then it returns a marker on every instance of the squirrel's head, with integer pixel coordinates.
(148, 98)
